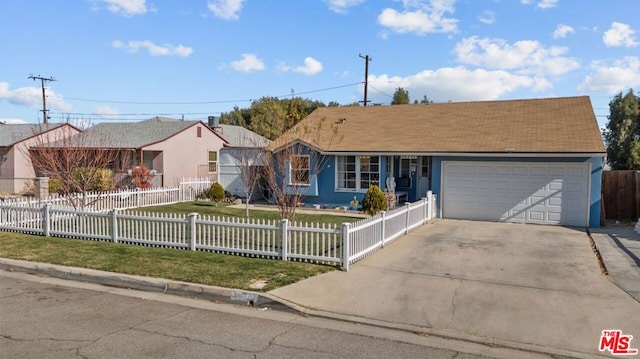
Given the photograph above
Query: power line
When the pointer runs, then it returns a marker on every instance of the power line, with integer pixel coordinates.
(202, 102)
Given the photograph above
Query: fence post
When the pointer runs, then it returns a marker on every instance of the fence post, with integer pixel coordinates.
(180, 194)
(407, 208)
(46, 219)
(428, 209)
(284, 228)
(384, 227)
(138, 197)
(114, 225)
(192, 227)
(345, 246)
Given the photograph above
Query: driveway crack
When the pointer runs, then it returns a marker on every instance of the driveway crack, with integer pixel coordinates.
(453, 303)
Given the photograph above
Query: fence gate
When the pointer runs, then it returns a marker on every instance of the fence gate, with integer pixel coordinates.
(621, 195)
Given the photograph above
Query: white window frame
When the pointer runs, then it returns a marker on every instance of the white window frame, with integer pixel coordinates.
(358, 173)
(210, 162)
(308, 169)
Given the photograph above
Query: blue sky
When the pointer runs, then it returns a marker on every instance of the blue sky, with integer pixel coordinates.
(126, 60)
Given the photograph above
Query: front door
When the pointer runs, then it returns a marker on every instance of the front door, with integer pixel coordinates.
(424, 176)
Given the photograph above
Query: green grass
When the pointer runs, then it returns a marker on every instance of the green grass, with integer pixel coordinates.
(210, 208)
(189, 266)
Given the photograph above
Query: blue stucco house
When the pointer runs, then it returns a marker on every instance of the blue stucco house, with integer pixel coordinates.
(526, 161)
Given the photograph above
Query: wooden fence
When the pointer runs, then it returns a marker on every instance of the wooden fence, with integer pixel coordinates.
(621, 195)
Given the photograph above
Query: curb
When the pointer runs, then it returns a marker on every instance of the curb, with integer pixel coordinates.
(256, 299)
(148, 284)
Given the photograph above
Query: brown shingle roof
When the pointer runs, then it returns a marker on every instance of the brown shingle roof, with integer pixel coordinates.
(551, 125)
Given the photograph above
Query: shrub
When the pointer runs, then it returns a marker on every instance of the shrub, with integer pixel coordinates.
(374, 201)
(141, 177)
(216, 192)
(54, 185)
(101, 179)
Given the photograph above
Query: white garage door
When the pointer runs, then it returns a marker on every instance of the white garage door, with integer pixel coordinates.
(545, 193)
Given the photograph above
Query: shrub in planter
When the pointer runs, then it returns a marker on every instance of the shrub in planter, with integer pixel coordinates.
(101, 179)
(374, 201)
(216, 192)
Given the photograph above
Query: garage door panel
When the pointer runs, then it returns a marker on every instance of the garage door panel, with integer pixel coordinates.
(547, 193)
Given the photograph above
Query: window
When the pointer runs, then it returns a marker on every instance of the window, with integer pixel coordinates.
(369, 171)
(199, 131)
(213, 161)
(299, 172)
(347, 172)
(357, 172)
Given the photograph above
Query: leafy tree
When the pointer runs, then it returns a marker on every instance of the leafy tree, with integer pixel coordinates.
(374, 200)
(622, 134)
(400, 97)
(237, 117)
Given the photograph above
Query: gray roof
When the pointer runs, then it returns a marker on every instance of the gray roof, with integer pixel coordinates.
(131, 135)
(238, 136)
(12, 133)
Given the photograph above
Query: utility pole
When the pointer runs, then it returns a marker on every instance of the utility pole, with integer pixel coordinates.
(366, 75)
(45, 118)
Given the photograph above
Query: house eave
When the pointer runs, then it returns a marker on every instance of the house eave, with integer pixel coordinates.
(469, 154)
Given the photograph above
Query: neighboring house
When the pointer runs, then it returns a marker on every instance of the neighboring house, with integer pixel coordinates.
(172, 148)
(528, 161)
(16, 170)
(244, 148)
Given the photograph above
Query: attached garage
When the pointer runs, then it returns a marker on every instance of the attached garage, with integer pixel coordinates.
(543, 193)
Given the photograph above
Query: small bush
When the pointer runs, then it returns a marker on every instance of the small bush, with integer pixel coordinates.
(216, 192)
(101, 179)
(374, 201)
(141, 177)
(54, 185)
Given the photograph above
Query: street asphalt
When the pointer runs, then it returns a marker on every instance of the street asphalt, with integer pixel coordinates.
(537, 289)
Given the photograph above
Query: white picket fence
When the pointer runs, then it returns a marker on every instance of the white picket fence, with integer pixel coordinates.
(187, 190)
(318, 243)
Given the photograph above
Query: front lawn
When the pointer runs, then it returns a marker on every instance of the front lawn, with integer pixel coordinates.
(226, 210)
(189, 266)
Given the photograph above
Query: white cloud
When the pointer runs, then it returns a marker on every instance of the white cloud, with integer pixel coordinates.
(562, 31)
(32, 97)
(249, 63)
(125, 7)
(153, 49)
(12, 120)
(543, 4)
(311, 67)
(526, 57)
(420, 17)
(619, 76)
(487, 17)
(458, 84)
(105, 111)
(341, 6)
(226, 9)
(547, 4)
(620, 35)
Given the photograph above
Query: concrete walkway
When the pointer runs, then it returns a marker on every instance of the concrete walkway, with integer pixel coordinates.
(619, 247)
(538, 288)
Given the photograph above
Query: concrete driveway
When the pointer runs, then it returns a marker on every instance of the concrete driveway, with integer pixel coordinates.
(532, 287)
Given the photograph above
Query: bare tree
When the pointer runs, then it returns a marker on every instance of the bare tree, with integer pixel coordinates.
(77, 162)
(294, 163)
(249, 158)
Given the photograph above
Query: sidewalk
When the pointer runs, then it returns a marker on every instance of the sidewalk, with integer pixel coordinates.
(619, 247)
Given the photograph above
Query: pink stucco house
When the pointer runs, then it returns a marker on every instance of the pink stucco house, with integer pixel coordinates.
(16, 170)
(172, 148)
